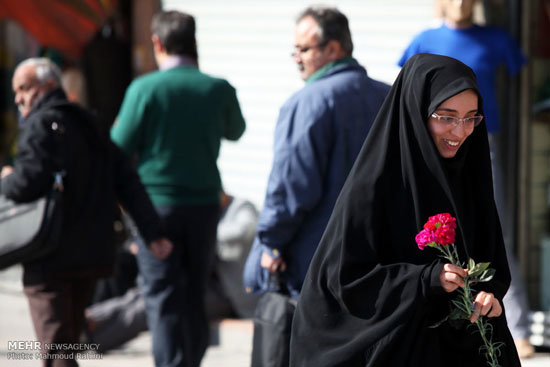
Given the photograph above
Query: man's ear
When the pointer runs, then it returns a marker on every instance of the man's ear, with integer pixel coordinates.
(334, 50)
(157, 45)
(49, 85)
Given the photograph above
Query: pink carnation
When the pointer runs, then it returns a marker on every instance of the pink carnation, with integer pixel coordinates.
(439, 229)
(424, 238)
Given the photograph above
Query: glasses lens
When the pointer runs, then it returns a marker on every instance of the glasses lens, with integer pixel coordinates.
(447, 120)
(477, 120)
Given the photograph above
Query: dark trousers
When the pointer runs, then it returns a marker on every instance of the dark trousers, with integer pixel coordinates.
(175, 288)
(57, 312)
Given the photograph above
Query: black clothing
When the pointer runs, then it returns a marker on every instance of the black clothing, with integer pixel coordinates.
(98, 174)
(370, 294)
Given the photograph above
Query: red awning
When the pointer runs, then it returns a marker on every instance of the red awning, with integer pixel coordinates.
(66, 25)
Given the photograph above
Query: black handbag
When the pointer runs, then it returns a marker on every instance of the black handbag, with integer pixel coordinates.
(30, 230)
(272, 325)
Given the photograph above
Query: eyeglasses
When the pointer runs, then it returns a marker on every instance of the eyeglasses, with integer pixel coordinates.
(455, 121)
(302, 50)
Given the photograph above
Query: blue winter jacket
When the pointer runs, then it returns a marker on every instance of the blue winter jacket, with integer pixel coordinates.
(318, 135)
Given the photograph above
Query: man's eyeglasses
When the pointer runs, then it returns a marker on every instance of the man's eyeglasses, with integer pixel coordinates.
(454, 121)
(302, 50)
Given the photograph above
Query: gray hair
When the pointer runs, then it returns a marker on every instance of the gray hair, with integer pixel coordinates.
(333, 25)
(176, 32)
(45, 70)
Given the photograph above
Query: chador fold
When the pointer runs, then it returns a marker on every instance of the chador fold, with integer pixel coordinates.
(371, 297)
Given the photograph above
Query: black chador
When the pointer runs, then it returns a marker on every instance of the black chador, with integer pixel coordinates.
(371, 295)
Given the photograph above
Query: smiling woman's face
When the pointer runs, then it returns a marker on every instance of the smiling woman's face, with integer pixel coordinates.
(448, 138)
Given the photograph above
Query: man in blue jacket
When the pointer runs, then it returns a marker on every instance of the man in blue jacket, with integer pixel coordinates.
(318, 135)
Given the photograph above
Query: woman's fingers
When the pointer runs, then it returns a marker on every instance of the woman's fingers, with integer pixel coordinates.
(496, 310)
(450, 281)
(452, 277)
(455, 269)
(486, 304)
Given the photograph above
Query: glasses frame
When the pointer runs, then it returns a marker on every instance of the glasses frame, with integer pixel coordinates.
(455, 121)
(302, 50)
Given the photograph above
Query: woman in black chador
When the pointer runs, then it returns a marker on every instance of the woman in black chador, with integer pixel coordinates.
(371, 295)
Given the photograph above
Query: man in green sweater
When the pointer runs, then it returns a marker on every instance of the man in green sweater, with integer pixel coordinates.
(173, 120)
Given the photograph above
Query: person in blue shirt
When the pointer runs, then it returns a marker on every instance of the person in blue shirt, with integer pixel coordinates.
(485, 49)
(318, 135)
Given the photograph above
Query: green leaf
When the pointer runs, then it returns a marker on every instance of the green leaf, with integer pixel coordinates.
(487, 275)
(483, 266)
(460, 306)
(478, 269)
(471, 266)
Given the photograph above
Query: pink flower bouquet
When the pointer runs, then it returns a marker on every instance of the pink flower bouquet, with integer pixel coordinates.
(439, 233)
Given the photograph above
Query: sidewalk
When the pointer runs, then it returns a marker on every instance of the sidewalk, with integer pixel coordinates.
(233, 349)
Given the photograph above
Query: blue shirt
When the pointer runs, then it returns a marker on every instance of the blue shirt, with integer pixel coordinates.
(318, 135)
(484, 49)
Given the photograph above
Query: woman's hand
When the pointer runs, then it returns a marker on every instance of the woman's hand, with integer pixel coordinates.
(486, 304)
(452, 277)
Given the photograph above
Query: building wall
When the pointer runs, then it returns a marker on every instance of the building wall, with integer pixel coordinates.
(249, 43)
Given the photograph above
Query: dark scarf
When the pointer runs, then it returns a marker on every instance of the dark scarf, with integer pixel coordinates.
(370, 293)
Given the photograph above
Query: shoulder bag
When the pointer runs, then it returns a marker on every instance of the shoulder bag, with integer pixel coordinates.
(31, 230)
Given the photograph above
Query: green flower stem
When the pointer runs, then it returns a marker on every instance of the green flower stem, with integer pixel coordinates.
(448, 254)
(456, 255)
(490, 348)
